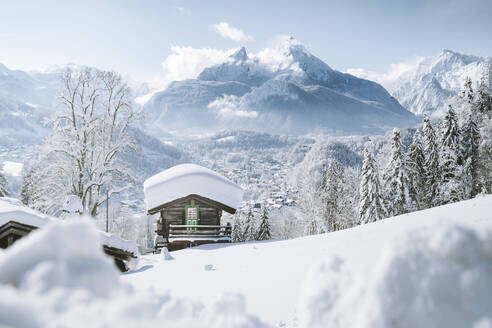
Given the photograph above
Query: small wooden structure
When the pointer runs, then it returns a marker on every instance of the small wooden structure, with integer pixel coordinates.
(190, 201)
(16, 221)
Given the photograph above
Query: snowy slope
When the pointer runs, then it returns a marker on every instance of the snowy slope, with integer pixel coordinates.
(282, 89)
(427, 269)
(428, 84)
(270, 274)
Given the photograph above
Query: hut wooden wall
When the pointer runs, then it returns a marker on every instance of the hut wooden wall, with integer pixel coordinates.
(207, 214)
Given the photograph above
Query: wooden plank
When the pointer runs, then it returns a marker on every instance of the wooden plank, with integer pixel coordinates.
(208, 201)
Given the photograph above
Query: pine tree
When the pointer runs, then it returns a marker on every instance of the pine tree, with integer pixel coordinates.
(397, 184)
(237, 230)
(371, 207)
(3, 185)
(450, 189)
(467, 94)
(484, 98)
(332, 193)
(264, 227)
(417, 165)
(249, 231)
(470, 142)
(432, 173)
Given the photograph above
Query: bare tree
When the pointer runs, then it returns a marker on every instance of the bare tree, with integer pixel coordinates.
(83, 154)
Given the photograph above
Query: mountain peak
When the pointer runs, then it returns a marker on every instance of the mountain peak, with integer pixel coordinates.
(240, 56)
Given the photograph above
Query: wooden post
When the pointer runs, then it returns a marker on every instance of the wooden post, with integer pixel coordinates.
(10, 240)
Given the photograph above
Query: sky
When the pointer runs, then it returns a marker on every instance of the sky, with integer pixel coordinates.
(139, 38)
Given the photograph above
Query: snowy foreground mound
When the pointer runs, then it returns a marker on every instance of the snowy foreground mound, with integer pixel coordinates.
(427, 269)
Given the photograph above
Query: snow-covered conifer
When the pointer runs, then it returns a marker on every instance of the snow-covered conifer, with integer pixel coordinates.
(484, 98)
(332, 194)
(3, 184)
(263, 232)
(450, 189)
(237, 229)
(371, 207)
(470, 142)
(249, 228)
(397, 185)
(417, 172)
(432, 169)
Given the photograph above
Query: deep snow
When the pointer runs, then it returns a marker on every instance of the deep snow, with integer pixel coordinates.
(269, 274)
(431, 268)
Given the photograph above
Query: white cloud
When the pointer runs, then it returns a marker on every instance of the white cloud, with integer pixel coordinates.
(230, 32)
(187, 62)
(228, 107)
(392, 74)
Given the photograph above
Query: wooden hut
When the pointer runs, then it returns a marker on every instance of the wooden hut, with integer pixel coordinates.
(17, 220)
(189, 200)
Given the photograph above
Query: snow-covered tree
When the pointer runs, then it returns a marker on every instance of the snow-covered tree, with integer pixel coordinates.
(432, 174)
(3, 184)
(397, 185)
(450, 160)
(371, 206)
(417, 164)
(470, 142)
(83, 154)
(484, 98)
(332, 193)
(237, 229)
(263, 232)
(249, 228)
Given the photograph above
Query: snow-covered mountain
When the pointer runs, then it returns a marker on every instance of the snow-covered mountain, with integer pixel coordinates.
(430, 82)
(284, 89)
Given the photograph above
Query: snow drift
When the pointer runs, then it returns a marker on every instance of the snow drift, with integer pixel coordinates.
(430, 278)
(187, 179)
(48, 280)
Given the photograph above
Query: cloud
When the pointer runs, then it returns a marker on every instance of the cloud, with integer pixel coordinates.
(389, 78)
(228, 107)
(230, 32)
(187, 62)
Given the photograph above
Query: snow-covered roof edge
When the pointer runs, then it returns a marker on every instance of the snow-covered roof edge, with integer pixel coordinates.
(191, 179)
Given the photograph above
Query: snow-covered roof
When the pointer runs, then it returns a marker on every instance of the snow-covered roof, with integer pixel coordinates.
(191, 179)
(12, 209)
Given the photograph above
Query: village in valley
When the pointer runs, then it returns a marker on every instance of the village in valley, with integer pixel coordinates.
(188, 172)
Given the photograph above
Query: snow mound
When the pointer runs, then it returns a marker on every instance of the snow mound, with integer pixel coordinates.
(430, 278)
(58, 276)
(67, 255)
(12, 209)
(187, 179)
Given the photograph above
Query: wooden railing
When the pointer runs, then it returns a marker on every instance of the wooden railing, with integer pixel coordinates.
(203, 232)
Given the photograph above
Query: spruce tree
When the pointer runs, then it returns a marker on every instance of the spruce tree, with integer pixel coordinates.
(417, 172)
(249, 231)
(237, 229)
(450, 189)
(3, 185)
(431, 165)
(332, 193)
(371, 207)
(470, 142)
(484, 98)
(264, 227)
(397, 184)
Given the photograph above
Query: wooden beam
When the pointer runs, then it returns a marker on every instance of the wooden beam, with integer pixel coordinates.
(206, 200)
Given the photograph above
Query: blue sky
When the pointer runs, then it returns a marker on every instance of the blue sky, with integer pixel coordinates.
(135, 37)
